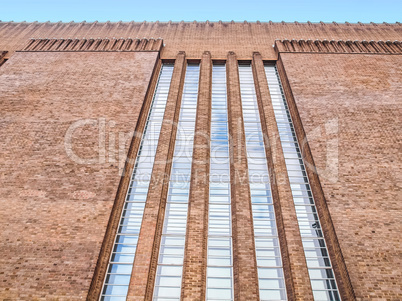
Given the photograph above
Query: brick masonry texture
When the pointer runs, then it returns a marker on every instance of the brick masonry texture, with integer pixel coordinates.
(389, 47)
(295, 266)
(244, 260)
(114, 220)
(349, 105)
(54, 210)
(196, 37)
(146, 258)
(331, 240)
(93, 45)
(195, 261)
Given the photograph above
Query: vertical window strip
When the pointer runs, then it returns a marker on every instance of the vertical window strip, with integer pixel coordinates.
(220, 252)
(269, 261)
(171, 253)
(318, 262)
(118, 275)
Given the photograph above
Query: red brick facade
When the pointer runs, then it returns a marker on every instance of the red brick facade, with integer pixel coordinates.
(60, 172)
(69, 109)
(360, 113)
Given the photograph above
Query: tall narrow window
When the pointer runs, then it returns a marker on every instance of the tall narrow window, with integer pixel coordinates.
(121, 261)
(220, 259)
(171, 252)
(319, 265)
(269, 262)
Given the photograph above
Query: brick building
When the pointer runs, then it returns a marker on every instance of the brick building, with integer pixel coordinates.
(218, 161)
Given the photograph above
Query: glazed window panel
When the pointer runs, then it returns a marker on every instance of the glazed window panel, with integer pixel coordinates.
(269, 262)
(318, 262)
(121, 261)
(220, 250)
(171, 252)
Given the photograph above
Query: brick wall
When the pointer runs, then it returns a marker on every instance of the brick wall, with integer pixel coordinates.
(55, 209)
(197, 37)
(350, 109)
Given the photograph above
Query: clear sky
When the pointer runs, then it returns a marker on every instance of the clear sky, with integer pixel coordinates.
(212, 10)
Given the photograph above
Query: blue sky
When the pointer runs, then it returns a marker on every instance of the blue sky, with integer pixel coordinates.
(165, 10)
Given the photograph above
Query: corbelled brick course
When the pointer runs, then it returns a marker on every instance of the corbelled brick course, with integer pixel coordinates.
(197, 37)
(333, 46)
(93, 45)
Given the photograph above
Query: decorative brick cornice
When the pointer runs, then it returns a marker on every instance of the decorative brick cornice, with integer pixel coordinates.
(90, 44)
(325, 46)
